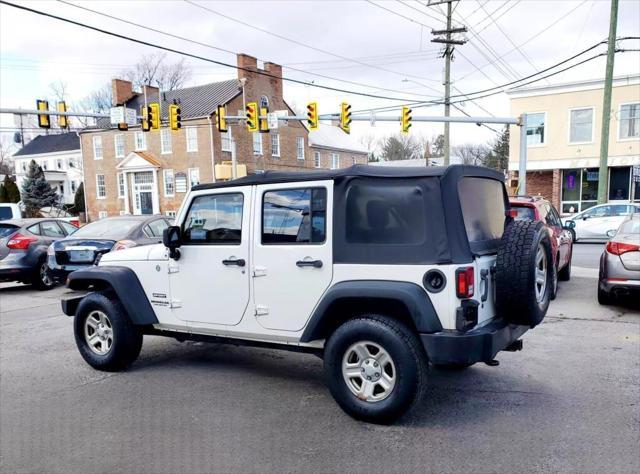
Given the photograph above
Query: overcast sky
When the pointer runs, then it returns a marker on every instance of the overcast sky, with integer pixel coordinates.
(388, 43)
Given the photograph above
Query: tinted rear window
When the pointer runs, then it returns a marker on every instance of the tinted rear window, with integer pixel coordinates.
(524, 213)
(113, 229)
(483, 210)
(6, 212)
(7, 230)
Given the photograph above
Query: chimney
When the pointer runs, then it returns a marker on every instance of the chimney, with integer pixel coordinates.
(275, 70)
(246, 62)
(121, 91)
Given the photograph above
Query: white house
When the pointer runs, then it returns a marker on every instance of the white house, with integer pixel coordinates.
(60, 158)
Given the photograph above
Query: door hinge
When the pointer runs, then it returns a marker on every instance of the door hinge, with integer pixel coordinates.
(176, 304)
(259, 271)
(261, 310)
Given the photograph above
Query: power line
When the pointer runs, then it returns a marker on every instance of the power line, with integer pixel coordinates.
(195, 56)
(182, 38)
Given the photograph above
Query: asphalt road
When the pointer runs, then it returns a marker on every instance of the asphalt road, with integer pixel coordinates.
(587, 255)
(569, 402)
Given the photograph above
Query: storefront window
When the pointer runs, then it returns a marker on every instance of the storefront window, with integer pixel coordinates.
(619, 183)
(580, 187)
(590, 184)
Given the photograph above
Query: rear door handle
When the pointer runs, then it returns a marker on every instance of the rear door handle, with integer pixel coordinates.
(309, 263)
(239, 262)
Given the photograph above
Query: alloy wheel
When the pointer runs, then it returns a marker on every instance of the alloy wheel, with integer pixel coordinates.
(98, 332)
(369, 371)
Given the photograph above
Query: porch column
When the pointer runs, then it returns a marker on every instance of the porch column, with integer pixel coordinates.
(125, 177)
(155, 201)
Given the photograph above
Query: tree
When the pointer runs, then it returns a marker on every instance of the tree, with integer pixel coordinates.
(471, 154)
(438, 146)
(36, 191)
(9, 192)
(400, 147)
(6, 150)
(78, 199)
(498, 158)
(152, 69)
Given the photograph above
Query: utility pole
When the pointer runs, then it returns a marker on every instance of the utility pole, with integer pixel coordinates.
(606, 106)
(449, 43)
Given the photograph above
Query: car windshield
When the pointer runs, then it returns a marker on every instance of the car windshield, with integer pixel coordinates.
(524, 213)
(7, 229)
(630, 227)
(115, 229)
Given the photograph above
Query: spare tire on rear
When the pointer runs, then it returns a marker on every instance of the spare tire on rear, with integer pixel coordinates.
(524, 269)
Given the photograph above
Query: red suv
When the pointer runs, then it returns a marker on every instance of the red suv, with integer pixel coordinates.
(536, 208)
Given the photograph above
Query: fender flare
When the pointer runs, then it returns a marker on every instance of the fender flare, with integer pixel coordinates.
(412, 296)
(123, 281)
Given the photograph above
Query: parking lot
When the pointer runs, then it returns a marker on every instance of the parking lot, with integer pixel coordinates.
(568, 402)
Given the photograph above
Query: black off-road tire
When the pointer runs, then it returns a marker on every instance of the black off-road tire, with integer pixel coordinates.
(604, 297)
(42, 281)
(408, 356)
(127, 339)
(565, 273)
(516, 269)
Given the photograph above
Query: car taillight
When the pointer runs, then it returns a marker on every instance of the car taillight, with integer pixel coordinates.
(75, 222)
(20, 242)
(618, 248)
(123, 244)
(464, 282)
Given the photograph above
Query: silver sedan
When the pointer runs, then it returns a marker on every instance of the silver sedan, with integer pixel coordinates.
(620, 262)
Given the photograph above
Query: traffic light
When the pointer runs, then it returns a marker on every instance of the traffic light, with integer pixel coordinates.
(221, 119)
(345, 117)
(312, 116)
(154, 115)
(63, 120)
(406, 119)
(43, 120)
(145, 112)
(175, 117)
(264, 123)
(252, 116)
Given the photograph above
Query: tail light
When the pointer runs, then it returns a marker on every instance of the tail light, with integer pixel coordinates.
(75, 222)
(618, 248)
(464, 282)
(123, 244)
(20, 242)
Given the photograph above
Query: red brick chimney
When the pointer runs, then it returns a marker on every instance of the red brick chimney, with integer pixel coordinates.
(121, 91)
(151, 92)
(275, 70)
(245, 62)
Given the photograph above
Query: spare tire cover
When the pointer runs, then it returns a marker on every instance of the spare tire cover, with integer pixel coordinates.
(524, 269)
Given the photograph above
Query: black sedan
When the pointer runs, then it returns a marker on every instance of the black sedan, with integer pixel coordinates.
(23, 249)
(106, 235)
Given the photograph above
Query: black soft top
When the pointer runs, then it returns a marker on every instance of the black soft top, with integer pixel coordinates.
(368, 171)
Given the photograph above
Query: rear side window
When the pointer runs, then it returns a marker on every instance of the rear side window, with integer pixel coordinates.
(68, 228)
(294, 216)
(483, 210)
(524, 213)
(51, 229)
(34, 229)
(214, 219)
(7, 230)
(155, 228)
(385, 215)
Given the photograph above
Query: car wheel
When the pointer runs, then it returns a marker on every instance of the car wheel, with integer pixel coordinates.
(375, 368)
(524, 273)
(554, 282)
(565, 273)
(42, 279)
(105, 336)
(604, 297)
(573, 235)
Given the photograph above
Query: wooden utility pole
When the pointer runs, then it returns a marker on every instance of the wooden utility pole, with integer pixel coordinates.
(606, 106)
(448, 53)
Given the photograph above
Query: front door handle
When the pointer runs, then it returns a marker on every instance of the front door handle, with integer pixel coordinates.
(309, 263)
(239, 262)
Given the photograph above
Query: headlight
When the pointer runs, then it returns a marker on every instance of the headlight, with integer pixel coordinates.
(123, 244)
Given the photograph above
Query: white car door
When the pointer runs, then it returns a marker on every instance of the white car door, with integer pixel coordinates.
(590, 224)
(293, 259)
(210, 281)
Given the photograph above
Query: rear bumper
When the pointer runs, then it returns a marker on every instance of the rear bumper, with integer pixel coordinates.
(16, 273)
(478, 345)
(59, 273)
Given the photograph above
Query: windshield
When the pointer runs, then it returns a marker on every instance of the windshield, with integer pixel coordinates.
(524, 213)
(113, 229)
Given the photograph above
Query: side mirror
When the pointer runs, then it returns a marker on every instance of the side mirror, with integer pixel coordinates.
(172, 239)
(611, 233)
(569, 224)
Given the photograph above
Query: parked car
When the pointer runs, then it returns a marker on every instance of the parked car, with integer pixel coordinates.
(593, 223)
(620, 262)
(536, 208)
(60, 214)
(23, 249)
(97, 238)
(359, 266)
(10, 211)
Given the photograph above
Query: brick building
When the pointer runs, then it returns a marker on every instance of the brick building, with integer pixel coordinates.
(133, 172)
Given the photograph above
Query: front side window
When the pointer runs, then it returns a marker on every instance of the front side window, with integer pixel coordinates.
(581, 125)
(598, 211)
(141, 141)
(169, 184)
(335, 161)
(257, 144)
(101, 188)
(118, 143)
(214, 219)
(629, 121)
(300, 148)
(275, 144)
(155, 228)
(192, 139)
(97, 148)
(194, 177)
(536, 129)
(165, 140)
(226, 139)
(294, 216)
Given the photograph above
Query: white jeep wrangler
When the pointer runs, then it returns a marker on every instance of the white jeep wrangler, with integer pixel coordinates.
(377, 270)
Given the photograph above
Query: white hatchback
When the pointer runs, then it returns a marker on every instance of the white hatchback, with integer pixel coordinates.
(595, 222)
